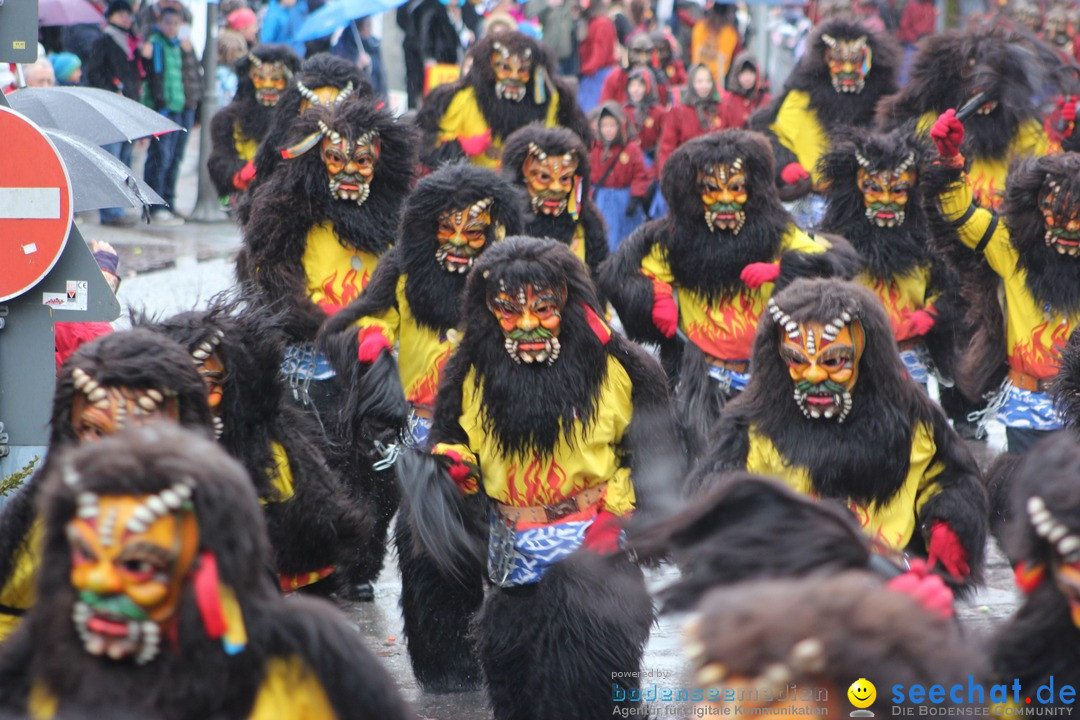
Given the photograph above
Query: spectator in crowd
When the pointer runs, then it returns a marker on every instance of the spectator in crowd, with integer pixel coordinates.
(918, 21)
(620, 180)
(282, 20)
(866, 12)
(356, 44)
(115, 65)
(39, 74)
(598, 53)
(787, 35)
(80, 38)
(244, 21)
(164, 92)
(644, 111)
(620, 15)
(696, 113)
(747, 90)
(231, 47)
(67, 67)
(558, 18)
(715, 40)
(447, 29)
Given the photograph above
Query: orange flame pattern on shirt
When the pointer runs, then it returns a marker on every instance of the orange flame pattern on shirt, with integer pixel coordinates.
(423, 392)
(347, 291)
(540, 484)
(729, 327)
(1041, 355)
(984, 189)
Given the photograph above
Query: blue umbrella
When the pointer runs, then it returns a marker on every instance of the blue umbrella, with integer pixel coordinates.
(338, 13)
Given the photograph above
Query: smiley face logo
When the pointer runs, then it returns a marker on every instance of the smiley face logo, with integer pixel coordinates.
(862, 694)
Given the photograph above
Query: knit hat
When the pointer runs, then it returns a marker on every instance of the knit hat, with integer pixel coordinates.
(64, 65)
(242, 18)
(107, 260)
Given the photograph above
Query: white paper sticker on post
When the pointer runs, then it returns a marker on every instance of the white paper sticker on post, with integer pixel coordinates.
(73, 298)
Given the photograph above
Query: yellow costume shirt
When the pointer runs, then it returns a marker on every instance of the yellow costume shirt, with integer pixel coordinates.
(20, 591)
(797, 128)
(245, 146)
(892, 523)
(289, 690)
(463, 119)
(335, 274)
(987, 175)
(582, 461)
(422, 352)
(901, 294)
(724, 329)
(1035, 335)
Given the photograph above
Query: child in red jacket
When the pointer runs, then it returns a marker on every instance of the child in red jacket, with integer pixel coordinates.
(747, 91)
(696, 112)
(620, 180)
(644, 111)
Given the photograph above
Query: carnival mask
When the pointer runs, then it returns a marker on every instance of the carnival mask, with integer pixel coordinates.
(1064, 550)
(885, 192)
(1062, 218)
(512, 72)
(350, 165)
(325, 96)
(823, 362)
(640, 52)
(550, 179)
(130, 557)
(211, 367)
(723, 193)
(530, 318)
(269, 79)
(99, 410)
(849, 62)
(1057, 29)
(462, 236)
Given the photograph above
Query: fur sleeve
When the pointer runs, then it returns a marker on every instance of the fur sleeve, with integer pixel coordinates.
(629, 291)
(271, 262)
(650, 444)
(596, 244)
(372, 402)
(223, 162)
(730, 441)
(961, 500)
(429, 120)
(761, 121)
(943, 340)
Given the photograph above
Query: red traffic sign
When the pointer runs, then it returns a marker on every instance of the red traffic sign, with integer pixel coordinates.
(35, 204)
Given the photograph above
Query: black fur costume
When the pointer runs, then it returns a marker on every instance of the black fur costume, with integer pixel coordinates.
(245, 115)
(833, 110)
(317, 526)
(865, 459)
(707, 262)
(297, 197)
(886, 253)
(503, 117)
(561, 637)
(322, 70)
(373, 406)
(751, 528)
(135, 359)
(1041, 639)
(193, 677)
(555, 142)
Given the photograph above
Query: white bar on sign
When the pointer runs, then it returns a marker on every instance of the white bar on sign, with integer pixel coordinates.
(30, 249)
(29, 203)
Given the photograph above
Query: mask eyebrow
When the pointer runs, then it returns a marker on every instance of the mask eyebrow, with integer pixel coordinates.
(792, 354)
(832, 352)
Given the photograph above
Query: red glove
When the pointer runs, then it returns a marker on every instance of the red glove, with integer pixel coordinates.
(948, 133)
(665, 315)
(757, 274)
(945, 547)
(919, 322)
(928, 589)
(603, 535)
(793, 173)
(243, 177)
(475, 144)
(462, 473)
(1068, 109)
(330, 308)
(370, 342)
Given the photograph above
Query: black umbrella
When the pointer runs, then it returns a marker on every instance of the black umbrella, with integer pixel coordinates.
(99, 180)
(99, 116)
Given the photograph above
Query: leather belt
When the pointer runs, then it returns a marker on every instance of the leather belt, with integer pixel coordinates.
(1029, 382)
(557, 511)
(736, 366)
(909, 344)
